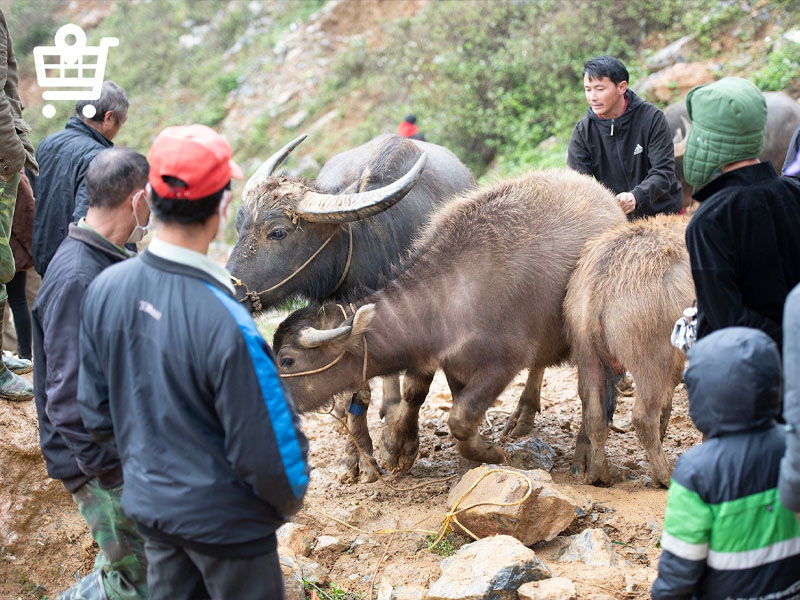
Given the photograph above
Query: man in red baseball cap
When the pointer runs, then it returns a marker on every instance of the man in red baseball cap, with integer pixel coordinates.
(176, 377)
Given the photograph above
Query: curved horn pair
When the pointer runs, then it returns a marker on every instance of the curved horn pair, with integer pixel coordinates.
(680, 139)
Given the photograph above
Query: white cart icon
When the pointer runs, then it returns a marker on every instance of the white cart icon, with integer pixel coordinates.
(83, 81)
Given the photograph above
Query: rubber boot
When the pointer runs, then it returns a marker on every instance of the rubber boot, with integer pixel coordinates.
(12, 387)
(17, 365)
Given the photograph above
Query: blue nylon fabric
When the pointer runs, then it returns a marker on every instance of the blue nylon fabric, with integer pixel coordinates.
(272, 392)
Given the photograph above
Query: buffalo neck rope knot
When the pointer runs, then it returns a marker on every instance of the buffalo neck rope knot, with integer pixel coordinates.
(255, 297)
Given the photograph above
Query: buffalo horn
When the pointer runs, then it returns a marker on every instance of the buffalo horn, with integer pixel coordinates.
(680, 139)
(310, 337)
(344, 208)
(268, 167)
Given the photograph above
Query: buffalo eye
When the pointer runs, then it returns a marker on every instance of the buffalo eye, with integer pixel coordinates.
(287, 362)
(276, 234)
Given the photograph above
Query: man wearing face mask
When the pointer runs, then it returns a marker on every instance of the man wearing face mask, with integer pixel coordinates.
(117, 213)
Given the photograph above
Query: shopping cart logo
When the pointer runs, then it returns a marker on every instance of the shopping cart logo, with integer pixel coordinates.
(62, 68)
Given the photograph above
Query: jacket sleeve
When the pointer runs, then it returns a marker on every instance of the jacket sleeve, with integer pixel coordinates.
(93, 387)
(263, 440)
(578, 156)
(792, 152)
(12, 152)
(789, 483)
(661, 156)
(685, 540)
(718, 296)
(61, 325)
(81, 196)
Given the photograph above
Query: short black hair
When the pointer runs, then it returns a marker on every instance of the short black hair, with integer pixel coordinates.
(182, 211)
(606, 66)
(112, 98)
(113, 174)
(410, 119)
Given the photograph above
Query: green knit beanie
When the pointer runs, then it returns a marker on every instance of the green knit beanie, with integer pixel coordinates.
(728, 122)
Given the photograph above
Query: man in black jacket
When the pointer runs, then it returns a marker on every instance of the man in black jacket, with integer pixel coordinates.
(625, 143)
(177, 379)
(743, 241)
(115, 182)
(60, 188)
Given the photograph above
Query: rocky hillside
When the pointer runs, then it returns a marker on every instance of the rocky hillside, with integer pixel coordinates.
(490, 79)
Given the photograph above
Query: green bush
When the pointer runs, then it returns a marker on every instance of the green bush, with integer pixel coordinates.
(782, 69)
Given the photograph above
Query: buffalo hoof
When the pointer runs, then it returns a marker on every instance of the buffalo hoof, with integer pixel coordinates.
(519, 424)
(598, 473)
(662, 470)
(482, 451)
(398, 455)
(359, 471)
(580, 461)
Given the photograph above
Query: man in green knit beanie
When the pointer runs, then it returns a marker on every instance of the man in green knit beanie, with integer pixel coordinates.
(742, 241)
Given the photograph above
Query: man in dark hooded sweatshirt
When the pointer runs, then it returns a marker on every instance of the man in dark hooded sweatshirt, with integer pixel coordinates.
(726, 533)
(625, 143)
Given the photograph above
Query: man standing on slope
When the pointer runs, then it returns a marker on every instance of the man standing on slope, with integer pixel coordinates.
(625, 143)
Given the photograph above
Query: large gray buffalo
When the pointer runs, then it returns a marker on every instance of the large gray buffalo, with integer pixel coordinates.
(480, 297)
(783, 117)
(322, 240)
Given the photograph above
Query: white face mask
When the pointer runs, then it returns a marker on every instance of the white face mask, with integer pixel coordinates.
(140, 231)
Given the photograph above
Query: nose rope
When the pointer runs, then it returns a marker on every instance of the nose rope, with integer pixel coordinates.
(255, 297)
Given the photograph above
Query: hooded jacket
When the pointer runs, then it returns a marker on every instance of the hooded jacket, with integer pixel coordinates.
(726, 533)
(790, 467)
(60, 189)
(632, 153)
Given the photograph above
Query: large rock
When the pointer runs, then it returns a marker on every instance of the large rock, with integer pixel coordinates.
(546, 513)
(557, 588)
(490, 569)
(295, 539)
(672, 83)
(532, 453)
(669, 55)
(591, 546)
(301, 568)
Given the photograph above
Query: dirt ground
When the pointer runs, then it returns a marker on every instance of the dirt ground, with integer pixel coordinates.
(56, 548)
(631, 511)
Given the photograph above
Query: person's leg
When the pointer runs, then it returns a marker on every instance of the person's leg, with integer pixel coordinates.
(18, 303)
(121, 559)
(171, 574)
(12, 387)
(255, 578)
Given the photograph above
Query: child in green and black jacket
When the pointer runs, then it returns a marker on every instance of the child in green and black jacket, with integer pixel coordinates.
(726, 533)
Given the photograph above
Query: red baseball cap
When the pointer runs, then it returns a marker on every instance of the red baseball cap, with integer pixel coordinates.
(195, 154)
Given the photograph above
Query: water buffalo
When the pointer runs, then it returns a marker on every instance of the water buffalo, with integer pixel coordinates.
(480, 297)
(351, 216)
(783, 116)
(629, 287)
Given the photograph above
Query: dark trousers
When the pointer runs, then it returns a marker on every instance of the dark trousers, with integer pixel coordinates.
(18, 302)
(178, 573)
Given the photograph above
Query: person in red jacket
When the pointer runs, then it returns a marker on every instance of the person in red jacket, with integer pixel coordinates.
(408, 128)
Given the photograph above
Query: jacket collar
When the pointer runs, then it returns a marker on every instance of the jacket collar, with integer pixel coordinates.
(738, 177)
(180, 268)
(96, 241)
(76, 123)
(634, 102)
